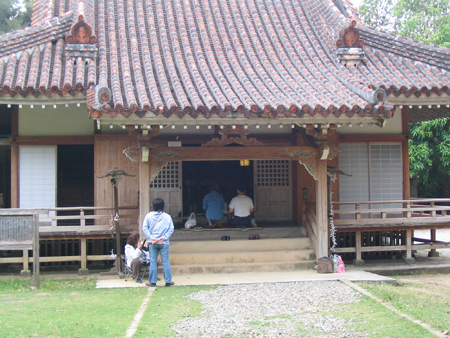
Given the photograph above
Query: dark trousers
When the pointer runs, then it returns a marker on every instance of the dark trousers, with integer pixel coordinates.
(242, 222)
(136, 268)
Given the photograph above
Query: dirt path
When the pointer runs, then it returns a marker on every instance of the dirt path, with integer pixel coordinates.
(440, 281)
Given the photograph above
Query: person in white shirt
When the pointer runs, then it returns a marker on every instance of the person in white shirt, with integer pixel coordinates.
(134, 255)
(242, 209)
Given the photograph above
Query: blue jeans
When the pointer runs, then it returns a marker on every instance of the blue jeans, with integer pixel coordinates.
(164, 250)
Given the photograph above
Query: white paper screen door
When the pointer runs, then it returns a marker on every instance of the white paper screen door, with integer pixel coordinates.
(273, 190)
(37, 176)
(167, 185)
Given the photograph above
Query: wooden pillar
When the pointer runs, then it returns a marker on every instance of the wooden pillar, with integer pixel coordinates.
(25, 263)
(321, 210)
(405, 154)
(83, 248)
(144, 187)
(409, 258)
(14, 158)
(433, 252)
(358, 261)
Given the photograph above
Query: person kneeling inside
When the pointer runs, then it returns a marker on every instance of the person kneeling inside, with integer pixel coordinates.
(242, 208)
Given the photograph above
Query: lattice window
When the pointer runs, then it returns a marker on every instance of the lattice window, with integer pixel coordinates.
(168, 177)
(272, 173)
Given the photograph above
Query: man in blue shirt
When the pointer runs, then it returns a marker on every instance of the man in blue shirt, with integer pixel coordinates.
(213, 204)
(158, 227)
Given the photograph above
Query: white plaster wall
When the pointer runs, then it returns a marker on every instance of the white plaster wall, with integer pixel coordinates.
(60, 121)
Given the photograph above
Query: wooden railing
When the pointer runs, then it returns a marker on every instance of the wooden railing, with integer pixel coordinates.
(395, 215)
(75, 223)
(415, 212)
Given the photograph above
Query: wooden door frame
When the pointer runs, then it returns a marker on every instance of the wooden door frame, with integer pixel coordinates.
(314, 160)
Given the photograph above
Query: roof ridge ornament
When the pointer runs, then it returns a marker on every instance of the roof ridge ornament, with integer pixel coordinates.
(350, 52)
(227, 138)
(81, 32)
(81, 43)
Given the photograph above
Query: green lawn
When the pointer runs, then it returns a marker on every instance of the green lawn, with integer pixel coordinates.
(69, 308)
(74, 308)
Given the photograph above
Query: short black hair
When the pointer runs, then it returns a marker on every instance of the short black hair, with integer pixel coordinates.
(242, 188)
(158, 204)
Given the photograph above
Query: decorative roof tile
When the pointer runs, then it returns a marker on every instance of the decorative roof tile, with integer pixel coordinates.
(212, 58)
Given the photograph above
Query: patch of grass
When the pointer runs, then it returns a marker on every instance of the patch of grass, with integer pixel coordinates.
(372, 319)
(47, 284)
(166, 307)
(426, 303)
(66, 308)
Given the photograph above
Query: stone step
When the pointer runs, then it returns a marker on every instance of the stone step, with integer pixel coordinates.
(241, 245)
(233, 256)
(241, 255)
(241, 267)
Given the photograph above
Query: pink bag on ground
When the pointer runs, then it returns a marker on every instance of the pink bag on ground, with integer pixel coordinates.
(341, 266)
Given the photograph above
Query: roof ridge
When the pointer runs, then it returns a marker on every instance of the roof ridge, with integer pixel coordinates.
(405, 47)
(30, 37)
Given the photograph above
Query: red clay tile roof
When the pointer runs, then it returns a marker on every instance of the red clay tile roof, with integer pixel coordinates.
(252, 58)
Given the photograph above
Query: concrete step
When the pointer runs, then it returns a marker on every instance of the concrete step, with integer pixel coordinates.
(232, 256)
(241, 255)
(210, 246)
(242, 267)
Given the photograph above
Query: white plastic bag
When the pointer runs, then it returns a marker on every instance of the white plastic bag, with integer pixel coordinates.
(191, 221)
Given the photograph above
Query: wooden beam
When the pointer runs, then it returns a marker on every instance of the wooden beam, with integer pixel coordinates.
(371, 138)
(167, 154)
(52, 140)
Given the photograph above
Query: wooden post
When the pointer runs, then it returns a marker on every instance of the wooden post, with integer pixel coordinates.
(116, 175)
(358, 261)
(36, 252)
(117, 227)
(405, 154)
(144, 189)
(433, 252)
(83, 248)
(15, 158)
(321, 209)
(409, 258)
(25, 263)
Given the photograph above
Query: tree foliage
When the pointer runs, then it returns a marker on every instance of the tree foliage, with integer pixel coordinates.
(423, 20)
(427, 21)
(14, 15)
(429, 157)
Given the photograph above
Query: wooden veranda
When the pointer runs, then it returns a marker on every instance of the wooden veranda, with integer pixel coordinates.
(392, 223)
(387, 226)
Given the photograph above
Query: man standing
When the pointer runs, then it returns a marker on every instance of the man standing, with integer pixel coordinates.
(213, 205)
(158, 227)
(242, 208)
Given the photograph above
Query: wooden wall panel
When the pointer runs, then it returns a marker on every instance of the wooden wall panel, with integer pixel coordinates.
(108, 154)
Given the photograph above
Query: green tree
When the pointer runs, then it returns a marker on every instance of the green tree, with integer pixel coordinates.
(429, 157)
(423, 20)
(378, 13)
(427, 21)
(14, 15)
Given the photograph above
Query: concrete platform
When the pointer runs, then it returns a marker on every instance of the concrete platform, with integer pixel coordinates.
(252, 277)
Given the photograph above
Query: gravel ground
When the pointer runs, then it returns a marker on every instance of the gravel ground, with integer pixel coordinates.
(441, 235)
(270, 310)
